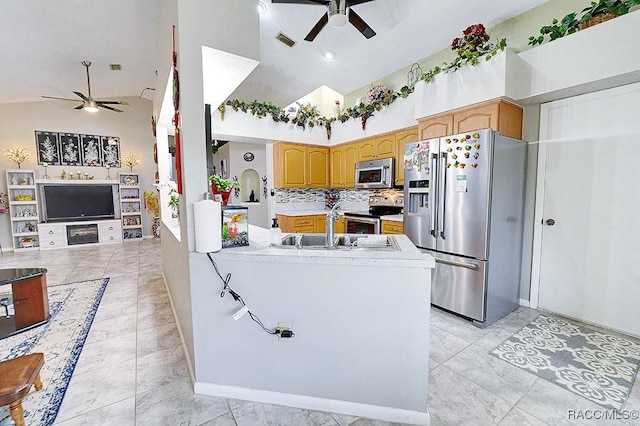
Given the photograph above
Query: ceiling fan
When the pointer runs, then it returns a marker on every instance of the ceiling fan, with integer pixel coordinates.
(338, 11)
(88, 103)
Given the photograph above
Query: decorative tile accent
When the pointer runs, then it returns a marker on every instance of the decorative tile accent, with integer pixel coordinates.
(596, 365)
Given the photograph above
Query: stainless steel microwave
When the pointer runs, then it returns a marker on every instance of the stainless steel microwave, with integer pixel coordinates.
(374, 174)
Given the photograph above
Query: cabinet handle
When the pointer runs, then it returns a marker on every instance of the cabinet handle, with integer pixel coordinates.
(51, 231)
(111, 228)
(111, 238)
(51, 243)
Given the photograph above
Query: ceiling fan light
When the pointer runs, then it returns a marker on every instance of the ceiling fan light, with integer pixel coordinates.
(90, 106)
(329, 55)
(338, 20)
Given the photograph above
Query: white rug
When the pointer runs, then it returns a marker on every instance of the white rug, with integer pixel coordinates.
(72, 307)
(596, 365)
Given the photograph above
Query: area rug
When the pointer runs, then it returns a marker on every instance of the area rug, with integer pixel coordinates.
(72, 308)
(594, 364)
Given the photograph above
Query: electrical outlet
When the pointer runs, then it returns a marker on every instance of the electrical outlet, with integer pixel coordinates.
(282, 326)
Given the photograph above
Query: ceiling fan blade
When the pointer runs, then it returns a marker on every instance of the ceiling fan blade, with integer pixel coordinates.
(112, 102)
(79, 106)
(360, 25)
(108, 107)
(356, 2)
(317, 28)
(322, 2)
(84, 98)
(62, 99)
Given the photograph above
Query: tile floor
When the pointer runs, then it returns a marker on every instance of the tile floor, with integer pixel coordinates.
(132, 370)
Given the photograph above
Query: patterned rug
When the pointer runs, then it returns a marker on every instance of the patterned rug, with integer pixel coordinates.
(596, 365)
(72, 308)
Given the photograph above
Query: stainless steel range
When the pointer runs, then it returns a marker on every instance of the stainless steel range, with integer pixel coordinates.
(368, 222)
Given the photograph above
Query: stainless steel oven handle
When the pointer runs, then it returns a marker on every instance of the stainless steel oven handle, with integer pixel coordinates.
(454, 263)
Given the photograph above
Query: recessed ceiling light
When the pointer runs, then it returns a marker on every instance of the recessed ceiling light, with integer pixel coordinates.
(329, 55)
(261, 7)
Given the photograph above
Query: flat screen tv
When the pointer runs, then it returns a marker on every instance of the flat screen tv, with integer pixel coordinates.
(64, 203)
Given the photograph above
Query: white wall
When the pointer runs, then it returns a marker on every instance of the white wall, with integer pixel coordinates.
(233, 152)
(133, 127)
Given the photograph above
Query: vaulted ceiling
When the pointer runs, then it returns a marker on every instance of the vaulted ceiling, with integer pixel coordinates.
(43, 43)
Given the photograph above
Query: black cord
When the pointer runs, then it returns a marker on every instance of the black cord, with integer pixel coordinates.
(237, 297)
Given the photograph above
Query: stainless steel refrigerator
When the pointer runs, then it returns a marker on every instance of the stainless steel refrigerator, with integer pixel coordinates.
(464, 205)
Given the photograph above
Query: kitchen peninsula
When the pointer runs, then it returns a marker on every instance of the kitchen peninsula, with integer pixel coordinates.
(360, 318)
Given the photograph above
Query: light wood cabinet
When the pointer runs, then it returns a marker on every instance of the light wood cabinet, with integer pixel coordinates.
(392, 227)
(309, 224)
(300, 166)
(343, 165)
(339, 227)
(402, 138)
(377, 147)
(499, 115)
(436, 126)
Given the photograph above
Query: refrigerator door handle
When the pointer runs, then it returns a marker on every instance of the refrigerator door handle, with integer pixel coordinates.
(454, 263)
(442, 176)
(433, 196)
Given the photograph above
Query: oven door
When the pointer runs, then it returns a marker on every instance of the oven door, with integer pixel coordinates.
(362, 225)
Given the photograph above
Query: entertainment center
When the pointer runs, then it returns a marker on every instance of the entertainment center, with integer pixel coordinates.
(56, 213)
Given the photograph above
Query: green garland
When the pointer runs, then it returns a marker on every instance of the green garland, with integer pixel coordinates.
(470, 48)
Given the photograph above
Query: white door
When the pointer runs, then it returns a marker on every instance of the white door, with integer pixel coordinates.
(588, 219)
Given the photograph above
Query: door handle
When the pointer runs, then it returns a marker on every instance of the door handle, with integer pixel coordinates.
(550, 222)
(454, 263)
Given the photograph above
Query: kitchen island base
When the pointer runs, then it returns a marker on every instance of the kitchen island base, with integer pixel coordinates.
(361, 324)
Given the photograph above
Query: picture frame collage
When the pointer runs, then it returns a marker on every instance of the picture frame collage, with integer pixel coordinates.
(74, 149)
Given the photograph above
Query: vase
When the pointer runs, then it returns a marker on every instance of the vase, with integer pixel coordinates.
(155, 227)
(224, 194)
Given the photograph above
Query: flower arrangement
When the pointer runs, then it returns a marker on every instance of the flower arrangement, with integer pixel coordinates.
(3, 203)
(470, 48)
(220, 183)
(473, 45)
(18, 154)
(131, 159)
(152, 203)
(380, 96)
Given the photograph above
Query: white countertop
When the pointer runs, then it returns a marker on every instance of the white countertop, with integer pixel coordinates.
(392, 217)
(311, 212)
(259, 250)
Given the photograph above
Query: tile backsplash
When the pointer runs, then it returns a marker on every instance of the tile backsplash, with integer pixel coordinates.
(315, 198)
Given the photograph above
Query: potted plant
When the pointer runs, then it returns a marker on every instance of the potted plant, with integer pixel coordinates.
(152, 204)
(603, 10)
(174, 202)
(221, 186)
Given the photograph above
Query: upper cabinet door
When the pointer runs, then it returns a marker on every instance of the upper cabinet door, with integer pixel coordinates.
(386, 146)
(367, 150)
(337, 167)
(480, 117)
(293, 163)
(435, 127)
(403, 138)
(318, 167)
(350, 160)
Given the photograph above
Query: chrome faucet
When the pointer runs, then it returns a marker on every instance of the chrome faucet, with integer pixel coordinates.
(332, 216)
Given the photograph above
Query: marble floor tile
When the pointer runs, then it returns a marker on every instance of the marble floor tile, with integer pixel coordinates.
(491, 373)
(223, 420)
(552, 404)
(182, 409)
(109, 351)
(159, 368)
(343, 419)
(249, 414)
(121, 413)
(98, 388)
(458, 401)
(517, 417)
(278, 415)
(444, 345)
(459, 327)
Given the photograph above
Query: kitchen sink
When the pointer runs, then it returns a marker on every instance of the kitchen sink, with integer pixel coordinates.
(341, 242)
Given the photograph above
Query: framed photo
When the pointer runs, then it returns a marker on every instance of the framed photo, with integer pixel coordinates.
(90, 149)
(110, 151)
(48, 148)
(70, 149)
